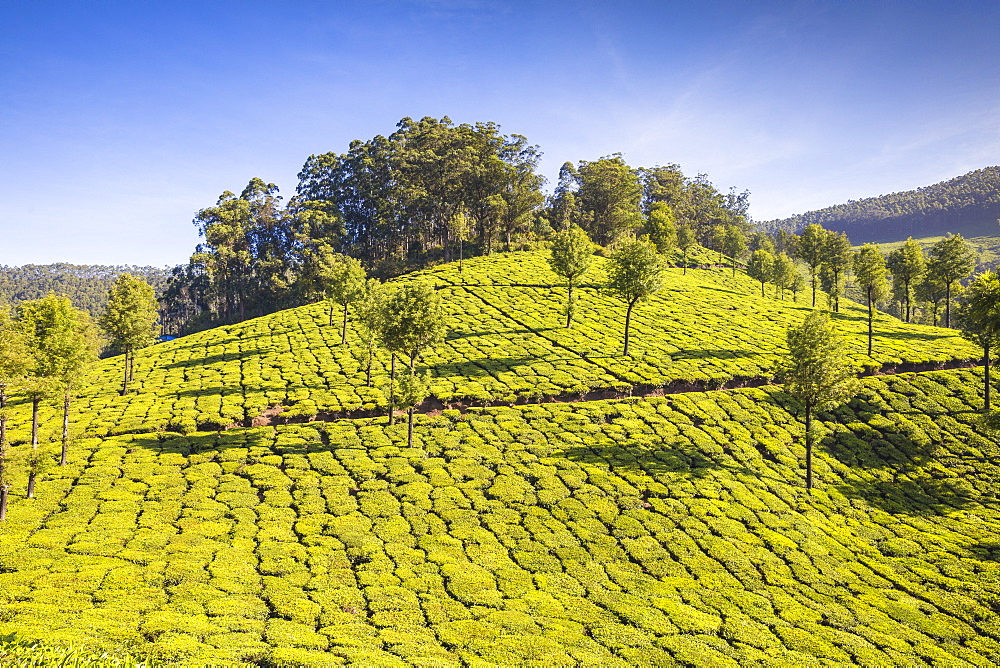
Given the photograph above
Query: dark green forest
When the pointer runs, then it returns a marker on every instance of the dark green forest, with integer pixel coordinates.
(968, 204)
(86, 285)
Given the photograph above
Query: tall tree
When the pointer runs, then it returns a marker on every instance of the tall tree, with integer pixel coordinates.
(951, 259)
(572, 254)
(979, 318)
(760, 266)
(908, 266)
(782, 274)
(734, 244)
(661, 225)
(609, 191)
(346, 284)
(870, 274)
(416, 322)
(685, 240)
(130, 320)
(811, 248)
(816, 373)
(634, 275)
(16, 359)
(837, 260)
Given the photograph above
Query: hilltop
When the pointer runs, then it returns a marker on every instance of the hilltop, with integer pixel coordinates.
(968, 205)
(670, 530)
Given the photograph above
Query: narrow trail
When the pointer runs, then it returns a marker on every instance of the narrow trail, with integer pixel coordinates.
(434, 406)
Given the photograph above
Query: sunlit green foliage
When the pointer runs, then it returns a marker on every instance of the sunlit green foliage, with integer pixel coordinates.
(668, 530)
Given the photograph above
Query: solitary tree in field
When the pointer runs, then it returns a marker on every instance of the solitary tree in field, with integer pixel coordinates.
(979, 318)
(572, 253)
(459, 226)
(783, 274)
(16, 358)
(870, 275)
(908, 266)
(634, 275)
(685, 240)
(952, 259)
(811, 249)
(816, 373)
(414, 321)
(130, 319)
(370, 308)
(836, 262)
(760, 266)
(346, 282)
(734, 244)
(413, 388)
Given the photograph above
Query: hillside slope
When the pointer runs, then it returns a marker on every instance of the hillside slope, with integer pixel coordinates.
(507, 343)
(670, 531)
(968, 205)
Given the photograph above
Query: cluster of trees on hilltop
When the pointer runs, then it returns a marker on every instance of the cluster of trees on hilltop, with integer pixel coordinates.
(969, 203)
(432, 191)
(86, 285)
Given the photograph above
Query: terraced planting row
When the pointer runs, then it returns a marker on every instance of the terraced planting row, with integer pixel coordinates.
(506, 344)
(660, 531)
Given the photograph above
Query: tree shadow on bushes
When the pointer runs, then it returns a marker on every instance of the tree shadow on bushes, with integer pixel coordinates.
(917, 494)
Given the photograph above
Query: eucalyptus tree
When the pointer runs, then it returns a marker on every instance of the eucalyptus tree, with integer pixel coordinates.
(811, 248)
(661, 226)
(979, 318)
(908, 266)
(817, 373)
(734, 244)
(64, 341)
(572, 254)
(130, 320)
(685, 240)
(760, 267)
(635, 273)
(608, 195)
(16, 360)
(783, 274)
(870, 275)
(837, 258)
(414, 321)
(951, 260)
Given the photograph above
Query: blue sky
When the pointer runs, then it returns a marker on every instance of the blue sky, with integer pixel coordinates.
(119, 120)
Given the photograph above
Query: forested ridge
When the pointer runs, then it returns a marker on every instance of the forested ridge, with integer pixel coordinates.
(86, 285)
(968, 204)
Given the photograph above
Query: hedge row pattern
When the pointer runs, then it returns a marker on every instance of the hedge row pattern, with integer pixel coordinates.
(670, 531)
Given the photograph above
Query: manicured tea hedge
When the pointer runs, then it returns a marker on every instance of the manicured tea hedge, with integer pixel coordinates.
(659, 531)
(506, 343)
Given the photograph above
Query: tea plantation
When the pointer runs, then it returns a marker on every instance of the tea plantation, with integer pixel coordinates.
(660, 531)
(667, 531)
(507, 343)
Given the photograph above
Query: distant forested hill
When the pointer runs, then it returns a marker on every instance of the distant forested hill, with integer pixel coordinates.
(968, 204)
(85, 284)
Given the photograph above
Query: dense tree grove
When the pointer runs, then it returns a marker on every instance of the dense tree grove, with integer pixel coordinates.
(431, 191)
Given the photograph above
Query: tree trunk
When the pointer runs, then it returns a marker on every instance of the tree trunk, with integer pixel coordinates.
(65, 431)
(4, 488)
(947, 304)
(986, 376)
(31, 484)
(35, 401)
(343, 330)
(762, 289)
(368, 367)
(409, 428)
(809, 447)
(330, 321)
(569, 306)
(628, 322)
(4, 491)
(814, 287)
(908, 300)
(392, 386)
(871, 315)
(460, 255)
(125, 375)
(685, 262)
